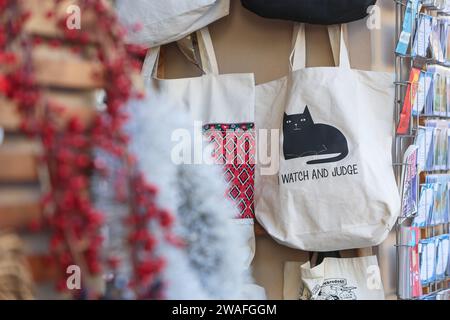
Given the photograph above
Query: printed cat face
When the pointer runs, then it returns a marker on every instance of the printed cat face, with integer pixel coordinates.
(296, 122)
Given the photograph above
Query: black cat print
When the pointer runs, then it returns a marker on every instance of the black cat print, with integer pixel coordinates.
(304, 138)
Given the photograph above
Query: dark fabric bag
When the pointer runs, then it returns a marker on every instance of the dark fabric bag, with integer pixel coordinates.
(324, 12)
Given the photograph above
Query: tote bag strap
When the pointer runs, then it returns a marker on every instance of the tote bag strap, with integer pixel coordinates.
(338, 46)
(206, 52)
(149, 69)
(336, 35)
(298, 55)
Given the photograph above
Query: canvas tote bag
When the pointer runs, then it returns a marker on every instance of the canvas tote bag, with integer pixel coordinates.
(164, 21)
(334, 186)
(342, 279)
(224, 105)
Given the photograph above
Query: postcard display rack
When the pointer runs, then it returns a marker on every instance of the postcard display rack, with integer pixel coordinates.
(422, 147)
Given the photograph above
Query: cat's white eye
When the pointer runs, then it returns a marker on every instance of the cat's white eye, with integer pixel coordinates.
(289, 121)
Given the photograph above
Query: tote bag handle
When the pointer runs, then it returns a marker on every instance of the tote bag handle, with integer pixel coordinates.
(316, 258)
(338, 46)
(206, 51)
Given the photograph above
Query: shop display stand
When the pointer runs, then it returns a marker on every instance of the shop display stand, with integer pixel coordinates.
(403, 66)
(69, 76)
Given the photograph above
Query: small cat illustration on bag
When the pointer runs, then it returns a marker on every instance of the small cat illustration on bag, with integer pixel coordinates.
(304, 138)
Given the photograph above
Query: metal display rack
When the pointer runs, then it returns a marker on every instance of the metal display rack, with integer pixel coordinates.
(403, 65)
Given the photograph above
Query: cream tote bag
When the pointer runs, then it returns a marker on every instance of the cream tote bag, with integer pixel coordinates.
(164, 21)
(342, 279)
(224, 106)
(211, 98)
(333, 187)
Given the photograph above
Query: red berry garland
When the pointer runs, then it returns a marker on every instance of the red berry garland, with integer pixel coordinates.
(75, 224)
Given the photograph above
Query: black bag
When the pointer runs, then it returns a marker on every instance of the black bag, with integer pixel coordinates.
(324, 12)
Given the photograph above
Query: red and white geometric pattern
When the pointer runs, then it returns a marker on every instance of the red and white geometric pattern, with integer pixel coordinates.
(234, 148)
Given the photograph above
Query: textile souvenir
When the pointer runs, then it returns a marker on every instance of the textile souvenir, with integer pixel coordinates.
(222, 106)
(331, 184)
(156, 22)
(343, 279)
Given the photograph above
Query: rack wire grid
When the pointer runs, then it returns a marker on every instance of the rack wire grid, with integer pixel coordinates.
(403, 65)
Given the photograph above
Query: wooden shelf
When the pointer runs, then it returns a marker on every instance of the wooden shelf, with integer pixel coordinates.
(19, 206)
(42, 269)
(64, 69)
(68, 75)
(9, 117)
(79, 104)
(44, 21)
(19, 161)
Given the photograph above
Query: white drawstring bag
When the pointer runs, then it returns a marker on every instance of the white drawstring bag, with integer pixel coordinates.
(334, 185)
(342, 279)
(156, 22)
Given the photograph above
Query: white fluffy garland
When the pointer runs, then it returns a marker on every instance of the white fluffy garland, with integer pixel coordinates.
(150, 131)
(114, 231)
(214, 242)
